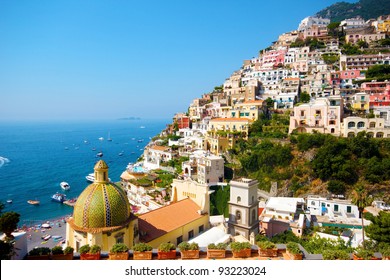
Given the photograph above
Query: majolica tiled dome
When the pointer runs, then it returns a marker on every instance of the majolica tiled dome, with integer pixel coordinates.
(102, 205)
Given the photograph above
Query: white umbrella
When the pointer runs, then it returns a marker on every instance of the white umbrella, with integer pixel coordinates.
(45, 225)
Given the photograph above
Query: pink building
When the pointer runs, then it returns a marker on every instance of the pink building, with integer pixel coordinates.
(379, 93)
(272, 58)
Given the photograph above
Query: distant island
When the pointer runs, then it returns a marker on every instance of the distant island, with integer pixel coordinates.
(129, 119)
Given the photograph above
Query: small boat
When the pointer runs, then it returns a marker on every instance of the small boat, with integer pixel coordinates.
(140, 140)
(141, 126)
(58, 197)
(109, 138)
(90, 177)
(33, 202)
(46, 237)
(101, 138)
(9, 201)
(65, 186)
(100, 154)
(120, 154)
(93, 149)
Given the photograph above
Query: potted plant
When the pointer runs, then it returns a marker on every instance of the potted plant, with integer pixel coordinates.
(39, 253)
(241, 249)
(189, 250)
(166, 251)
(90, 252)
(119, 251)
(293, 251)
(267, 249)
(363, 254)
(216, 251)
(385, 253)
(57, 253)
(335, 255)
(142, 251)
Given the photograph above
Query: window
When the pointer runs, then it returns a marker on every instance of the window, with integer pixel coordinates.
(190, 234)
(332, 122)
(238, 199)
(336, 208)
(201, 228)
(179, 240)
(253, 215)
(351, 124)
(238, 216)
(360, 125)
(372, 124)
(349, 209)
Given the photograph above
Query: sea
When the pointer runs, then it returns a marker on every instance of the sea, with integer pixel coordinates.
(35, 157)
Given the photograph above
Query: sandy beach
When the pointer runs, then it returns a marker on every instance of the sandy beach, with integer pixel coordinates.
(34, 234)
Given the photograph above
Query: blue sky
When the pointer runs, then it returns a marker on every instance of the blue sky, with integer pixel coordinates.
(112, 59)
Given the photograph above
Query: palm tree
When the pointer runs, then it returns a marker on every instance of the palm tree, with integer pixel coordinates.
(361, 200)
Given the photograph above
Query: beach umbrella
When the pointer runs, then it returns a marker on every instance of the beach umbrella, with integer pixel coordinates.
(45, 225)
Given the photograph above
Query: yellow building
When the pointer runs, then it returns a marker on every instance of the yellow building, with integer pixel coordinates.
(102, 215)
(384, 26)
(177, 222)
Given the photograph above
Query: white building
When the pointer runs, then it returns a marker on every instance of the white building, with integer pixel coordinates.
(334, 209)
(310, 21)
(204, 168)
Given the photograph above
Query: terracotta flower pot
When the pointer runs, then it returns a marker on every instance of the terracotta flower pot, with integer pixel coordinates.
(190, 254)
(89, 256)
(216, 254)
(142, 255)
(39, 257)
(245, 253)
(118, 256)
(295, 256)
(171, 255)
(355, 257)
(62, 257)
(268, 252)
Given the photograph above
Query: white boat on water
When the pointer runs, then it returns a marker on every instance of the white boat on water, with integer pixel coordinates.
(101, 138)
(91, 177)
(65, 186)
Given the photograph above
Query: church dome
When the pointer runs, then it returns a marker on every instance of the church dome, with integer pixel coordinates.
(102, 206)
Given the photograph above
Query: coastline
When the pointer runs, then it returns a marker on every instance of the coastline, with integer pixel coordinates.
(34, 233)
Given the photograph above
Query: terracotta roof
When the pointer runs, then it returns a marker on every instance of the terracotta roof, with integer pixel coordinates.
(158, 222)
(292, 79)
(230, 120)
(160, 148)
(253, 102)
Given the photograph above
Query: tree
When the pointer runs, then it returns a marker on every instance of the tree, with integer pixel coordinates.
(8, 223)
(304, 97)
(379, 229)
(361, 200)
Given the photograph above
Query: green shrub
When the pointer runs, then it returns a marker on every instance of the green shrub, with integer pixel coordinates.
(219, 246)
(185, 246)
(266, 244)
(293, 248)
(364, 254)
(40, 251)
(238, 246)
(57, 250)
(68, 250)
(119, 248)
(166, 247)
(95, 249)
(142, 247)
(84, 249)
(335, 255)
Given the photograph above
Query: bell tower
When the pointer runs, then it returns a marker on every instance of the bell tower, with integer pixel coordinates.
(243, 208)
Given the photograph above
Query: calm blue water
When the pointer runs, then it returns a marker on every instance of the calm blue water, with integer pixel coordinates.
(36, 157)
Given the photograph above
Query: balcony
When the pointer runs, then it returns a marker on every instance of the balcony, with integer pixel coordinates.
(302, 117)
(318, 117)
(332, 117)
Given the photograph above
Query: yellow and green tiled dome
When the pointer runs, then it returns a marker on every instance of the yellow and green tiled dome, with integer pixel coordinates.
(102, 205)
